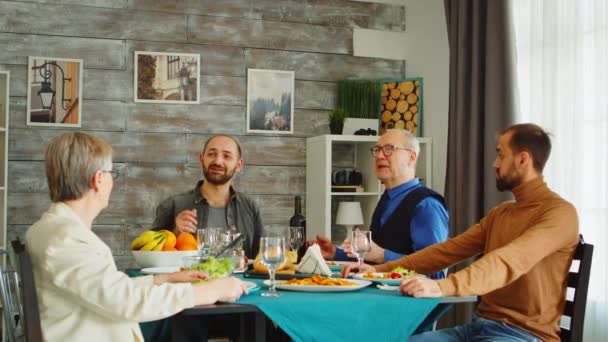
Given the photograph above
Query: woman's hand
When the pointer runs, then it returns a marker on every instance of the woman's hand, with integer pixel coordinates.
(227, 289)
(179, 277)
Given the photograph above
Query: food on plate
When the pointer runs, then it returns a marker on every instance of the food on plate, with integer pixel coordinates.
(396, 273)
(331, 263)
(286, 267)
(319, 280)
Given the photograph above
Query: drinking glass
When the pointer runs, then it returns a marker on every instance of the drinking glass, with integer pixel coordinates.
(361, 244)
(234, 232)
(225, 238)
(208, 240)
(272, 251)
(296, 237)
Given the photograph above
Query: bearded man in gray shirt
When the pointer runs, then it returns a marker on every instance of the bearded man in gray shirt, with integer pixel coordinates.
(213, 202)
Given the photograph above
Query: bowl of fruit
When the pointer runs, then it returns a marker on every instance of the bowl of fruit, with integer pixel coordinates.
(162, 248)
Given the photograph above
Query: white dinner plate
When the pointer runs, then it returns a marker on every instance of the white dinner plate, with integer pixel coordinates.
(338, 265)
(160, 270)
(251, 286)
(321, 288)
(389, 281)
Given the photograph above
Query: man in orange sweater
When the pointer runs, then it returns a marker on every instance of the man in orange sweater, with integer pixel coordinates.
(527, 247)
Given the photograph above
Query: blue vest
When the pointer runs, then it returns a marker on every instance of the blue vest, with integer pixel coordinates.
(395, 234)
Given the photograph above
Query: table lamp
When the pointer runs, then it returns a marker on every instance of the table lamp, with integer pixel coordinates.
(349, 215)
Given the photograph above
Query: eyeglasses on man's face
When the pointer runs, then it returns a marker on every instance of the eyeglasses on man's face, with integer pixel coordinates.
(387, 150)
(113, 172)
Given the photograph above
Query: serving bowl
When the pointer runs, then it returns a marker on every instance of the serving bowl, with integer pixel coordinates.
(161, 258)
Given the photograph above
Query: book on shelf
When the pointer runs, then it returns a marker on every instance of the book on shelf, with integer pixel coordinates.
(347, 188)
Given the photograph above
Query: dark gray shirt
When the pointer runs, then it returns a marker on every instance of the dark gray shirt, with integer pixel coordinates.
(241, 211)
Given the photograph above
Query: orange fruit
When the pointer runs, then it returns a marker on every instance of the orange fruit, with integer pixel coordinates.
(169, 241)
(185, 242)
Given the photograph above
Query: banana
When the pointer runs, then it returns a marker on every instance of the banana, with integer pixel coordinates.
(159, 246)
(143, 239)
(152, 243)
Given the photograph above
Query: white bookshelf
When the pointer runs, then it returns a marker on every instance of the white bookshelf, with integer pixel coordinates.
(4, 101)
(321, 201)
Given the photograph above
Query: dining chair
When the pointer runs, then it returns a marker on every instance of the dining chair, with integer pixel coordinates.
(31, 314)
(11, 303)
(578, 281)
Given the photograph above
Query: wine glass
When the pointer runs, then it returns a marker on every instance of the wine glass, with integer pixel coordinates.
(296, 237)
(361, 244)
(272, 251)
(208, 239)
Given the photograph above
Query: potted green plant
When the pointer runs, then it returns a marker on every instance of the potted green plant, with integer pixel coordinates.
(336, 120)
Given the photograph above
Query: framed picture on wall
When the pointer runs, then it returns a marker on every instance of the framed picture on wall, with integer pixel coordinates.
(54, 92)
(270, 101)
(401, 105)
(167, 77)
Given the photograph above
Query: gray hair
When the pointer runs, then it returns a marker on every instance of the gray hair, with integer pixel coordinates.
(410, 140)
(71, 160)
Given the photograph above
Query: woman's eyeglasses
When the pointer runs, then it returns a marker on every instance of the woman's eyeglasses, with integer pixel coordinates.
(114, 173)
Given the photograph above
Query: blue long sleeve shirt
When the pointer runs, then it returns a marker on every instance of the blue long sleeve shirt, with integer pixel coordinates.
(429, 225)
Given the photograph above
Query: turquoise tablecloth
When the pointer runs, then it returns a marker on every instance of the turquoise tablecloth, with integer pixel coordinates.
(365, 315)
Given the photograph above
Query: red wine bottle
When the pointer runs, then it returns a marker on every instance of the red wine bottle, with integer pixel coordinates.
(298, 220)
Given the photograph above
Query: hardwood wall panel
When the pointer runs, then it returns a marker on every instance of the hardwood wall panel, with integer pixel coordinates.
(332, 13)
(84, 21)
(203, 118)
(315, 95)
(28, 144)
(18, 79)
(92, 3)
(224, 8)
(96, 53)
(258, 149)
(224, 90)
(319, 12)
(156, 146)
(324, 67)
(98, 115)
(269, 34)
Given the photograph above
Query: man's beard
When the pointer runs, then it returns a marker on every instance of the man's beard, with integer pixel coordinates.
(218, 179)
(507, 182)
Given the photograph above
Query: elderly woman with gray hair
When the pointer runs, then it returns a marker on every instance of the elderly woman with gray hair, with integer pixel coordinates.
(81, 293)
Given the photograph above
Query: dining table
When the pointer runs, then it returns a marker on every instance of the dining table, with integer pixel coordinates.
(366, 314)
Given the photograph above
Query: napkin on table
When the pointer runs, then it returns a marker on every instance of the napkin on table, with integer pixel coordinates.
(313, 262)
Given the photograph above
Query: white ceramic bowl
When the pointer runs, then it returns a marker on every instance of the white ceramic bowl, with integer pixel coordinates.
(161, 259)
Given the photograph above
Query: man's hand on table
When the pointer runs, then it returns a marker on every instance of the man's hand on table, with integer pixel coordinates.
(186, 222)
(346, 270)
(420, 287)
(328, 250)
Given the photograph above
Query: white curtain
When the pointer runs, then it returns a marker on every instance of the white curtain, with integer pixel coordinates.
(562, 73)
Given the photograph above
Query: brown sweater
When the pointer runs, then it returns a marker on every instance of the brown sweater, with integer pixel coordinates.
(528, 246)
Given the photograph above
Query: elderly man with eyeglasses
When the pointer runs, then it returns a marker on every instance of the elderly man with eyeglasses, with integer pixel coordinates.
(409, 216)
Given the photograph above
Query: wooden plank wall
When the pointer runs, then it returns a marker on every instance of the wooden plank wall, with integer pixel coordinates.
(156, 145)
